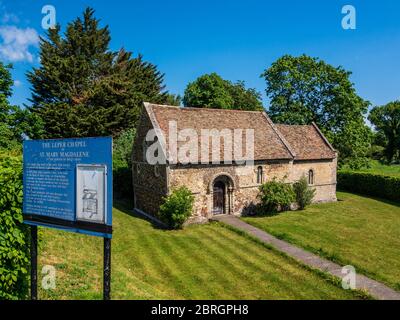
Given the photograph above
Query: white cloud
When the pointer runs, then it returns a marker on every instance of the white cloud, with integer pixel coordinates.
(16, 43)
(9, 17)
(17, 83)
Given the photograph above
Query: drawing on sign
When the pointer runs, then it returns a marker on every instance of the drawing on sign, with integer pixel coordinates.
(91, 193)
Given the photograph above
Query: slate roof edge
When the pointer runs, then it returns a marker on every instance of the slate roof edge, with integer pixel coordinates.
(156, 126)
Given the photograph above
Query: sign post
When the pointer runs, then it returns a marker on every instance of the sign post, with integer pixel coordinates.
(34, 247)
(68, 186)
(107, 269)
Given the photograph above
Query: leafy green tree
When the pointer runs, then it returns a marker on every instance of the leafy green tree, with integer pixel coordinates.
(211, 91)
(14, 235)
(304, 194)
(303, 90)
(275, 196)
(386, 120)
(82, 88)
(14, 121)
(173, 99)
(177, 207)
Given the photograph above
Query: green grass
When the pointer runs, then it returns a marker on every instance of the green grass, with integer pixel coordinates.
(379, 168)
(356, 230)
(200, 262)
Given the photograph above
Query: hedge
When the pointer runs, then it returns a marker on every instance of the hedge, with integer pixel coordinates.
(370, 184)
(14, 235)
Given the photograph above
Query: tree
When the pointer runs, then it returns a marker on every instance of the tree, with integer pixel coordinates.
(303, 90)
(177, 207)
(211, 91)
(14, 121)
(386, 120)
(173, 99)
(304, 194)
(82, 88)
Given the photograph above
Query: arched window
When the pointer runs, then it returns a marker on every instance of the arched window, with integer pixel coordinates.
(259, 174)
(310, 176)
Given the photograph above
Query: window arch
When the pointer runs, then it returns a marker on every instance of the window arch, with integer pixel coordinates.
(259, 174)
(310, 176)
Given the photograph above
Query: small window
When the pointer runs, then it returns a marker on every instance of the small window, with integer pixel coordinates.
(156, 170)
(259, 174)
(137, 168)
(310, 177)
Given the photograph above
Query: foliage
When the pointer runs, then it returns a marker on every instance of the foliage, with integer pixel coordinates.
(177, 207)
(211, 91)
(304, 194)
(84, 89)
(370, 184)
(14, 235)
(353, 143)
(376, 152)
(386, 120)
(14, 121)
(276, 196)
(122, 164)
(173, 99)
(303, 90)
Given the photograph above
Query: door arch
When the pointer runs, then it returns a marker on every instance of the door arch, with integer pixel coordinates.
(219, 197)
(222, 195)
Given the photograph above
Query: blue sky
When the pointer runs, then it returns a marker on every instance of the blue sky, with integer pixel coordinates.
(237, 39)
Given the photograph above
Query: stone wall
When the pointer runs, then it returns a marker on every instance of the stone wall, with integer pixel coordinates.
(200, 180)
(149, 181)
(324, 177)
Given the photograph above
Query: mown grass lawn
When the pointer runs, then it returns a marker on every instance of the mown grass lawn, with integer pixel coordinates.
(356, 230)
(379, 168)
(200, 262)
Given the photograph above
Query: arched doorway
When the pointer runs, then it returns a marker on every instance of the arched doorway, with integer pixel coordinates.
(222, 193)
(219, 197)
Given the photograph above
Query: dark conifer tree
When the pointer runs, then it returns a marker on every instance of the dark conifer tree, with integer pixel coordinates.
(82, 88)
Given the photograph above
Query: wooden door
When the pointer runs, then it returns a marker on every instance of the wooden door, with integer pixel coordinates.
(219, 198)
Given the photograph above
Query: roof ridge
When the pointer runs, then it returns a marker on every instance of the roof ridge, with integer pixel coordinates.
(201, 108)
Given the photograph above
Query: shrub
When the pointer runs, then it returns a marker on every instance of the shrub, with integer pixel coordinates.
(122, 164)
(177, 208)
(14, 235)
(370, 184)
(304, 194)
(276, 196)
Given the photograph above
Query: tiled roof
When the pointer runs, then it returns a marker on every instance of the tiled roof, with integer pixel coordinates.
(268, 142)
(307, 142)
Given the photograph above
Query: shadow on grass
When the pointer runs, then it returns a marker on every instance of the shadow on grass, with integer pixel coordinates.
(125, 207)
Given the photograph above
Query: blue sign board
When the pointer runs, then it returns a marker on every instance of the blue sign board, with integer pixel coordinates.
(68, 184)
